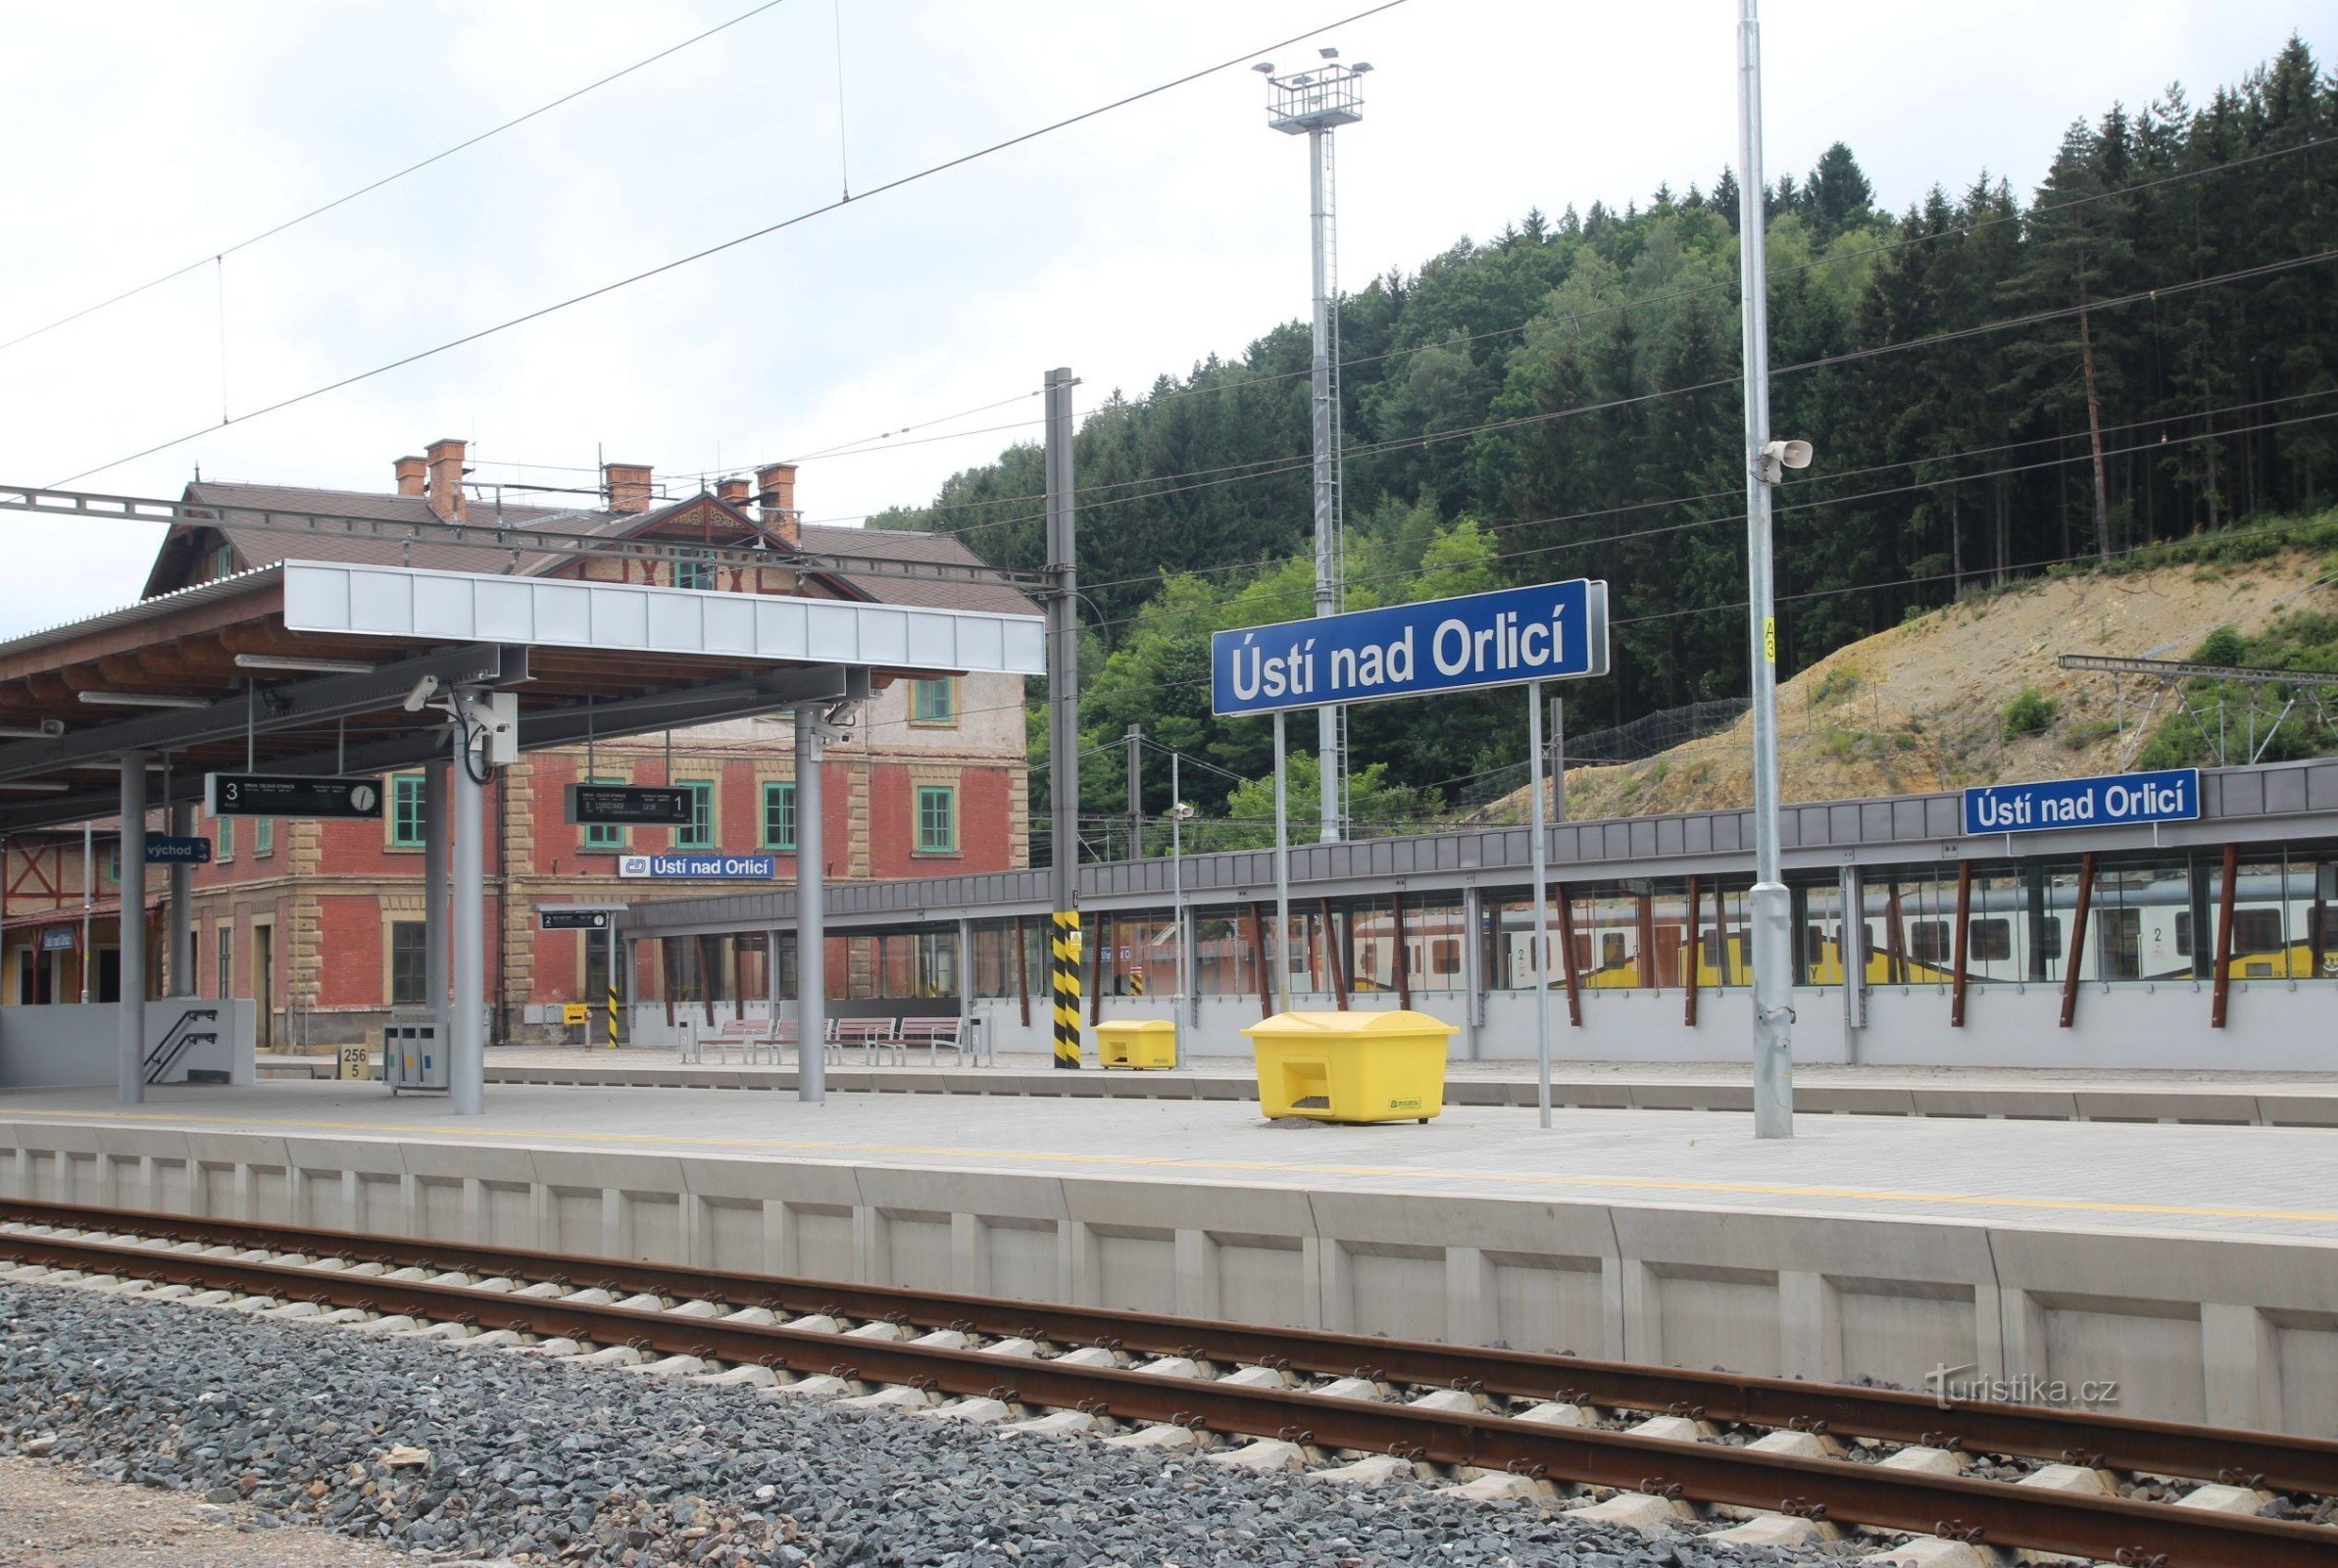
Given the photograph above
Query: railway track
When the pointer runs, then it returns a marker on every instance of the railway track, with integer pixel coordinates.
(1850, 1457)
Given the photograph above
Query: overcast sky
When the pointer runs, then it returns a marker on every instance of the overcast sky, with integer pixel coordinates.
(144, 136)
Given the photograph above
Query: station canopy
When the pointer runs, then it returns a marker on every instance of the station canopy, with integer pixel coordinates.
(308, 666)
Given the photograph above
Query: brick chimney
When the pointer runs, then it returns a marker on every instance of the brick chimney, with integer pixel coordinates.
(627, 486)
(412, 473)
(445, 484)
(775, 492)
(732, 492)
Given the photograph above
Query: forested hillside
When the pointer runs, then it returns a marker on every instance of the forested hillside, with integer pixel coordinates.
(2144, 348)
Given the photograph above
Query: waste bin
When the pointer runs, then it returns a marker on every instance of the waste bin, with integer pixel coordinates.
(1352, 1067)
(413, 1057)
(1140, 1043)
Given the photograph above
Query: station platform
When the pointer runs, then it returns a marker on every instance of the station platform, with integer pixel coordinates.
(2198, 1265)
(2182, 1096)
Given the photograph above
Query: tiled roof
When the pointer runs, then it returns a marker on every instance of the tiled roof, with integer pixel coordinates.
(257, 546)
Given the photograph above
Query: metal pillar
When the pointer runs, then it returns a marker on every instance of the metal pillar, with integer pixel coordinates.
(435, 784)
(182, 908)
(88, 923)
(1327, 479)
(1133, 742)
(1558, 759)
(1062, 719)
(1767, 907)
(812, 928)
(609, 980)
(131, 1015)
(466, 1033)
(1282, 874)
(1538, 852)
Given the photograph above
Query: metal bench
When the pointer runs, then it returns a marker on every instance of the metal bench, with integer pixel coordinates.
(781, 1038)
(876, 1037)
(933, 1034)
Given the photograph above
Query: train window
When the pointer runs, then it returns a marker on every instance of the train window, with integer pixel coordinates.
(1611, 950)
(2327, 919)
(2183, 933)
(2256, 930)
(1709, 944)
(1445, 955)
(1928, 941)
(2122, 943)
(1990, 940)
(2047, 933)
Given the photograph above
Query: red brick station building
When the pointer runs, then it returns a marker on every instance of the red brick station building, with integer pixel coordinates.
(321, 922)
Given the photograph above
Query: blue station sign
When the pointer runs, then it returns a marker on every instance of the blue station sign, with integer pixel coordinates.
(162, 849)
(2111, 801)
(683, 866)
(1552, 631)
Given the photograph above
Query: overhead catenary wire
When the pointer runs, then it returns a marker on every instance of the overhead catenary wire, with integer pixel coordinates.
(1240, 382)
(1235, 382)
(930, 170)
(1095, 497)
(221, 254)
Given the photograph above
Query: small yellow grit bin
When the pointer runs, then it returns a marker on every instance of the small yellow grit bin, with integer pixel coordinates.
(1352, 1067)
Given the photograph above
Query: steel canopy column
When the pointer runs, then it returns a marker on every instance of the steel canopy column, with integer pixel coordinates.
(466, 1045)
(132, 1014)
(811, 930)
(182, 910)
(434, 938)
(1063, 721)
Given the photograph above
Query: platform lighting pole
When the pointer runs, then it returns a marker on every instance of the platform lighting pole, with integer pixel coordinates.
(436, 781)
(1773, 997)
(131, 885)
(1538, 855)
(1133, 742)
(467, 1041)
(812, 927)
(1314, 103)
(1062, 720)
(1275, 953)
(182, 906)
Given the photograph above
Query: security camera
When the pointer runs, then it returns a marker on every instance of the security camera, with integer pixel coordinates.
(420, 698)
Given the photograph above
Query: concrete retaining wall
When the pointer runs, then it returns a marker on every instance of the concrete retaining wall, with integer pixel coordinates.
(72, 1044)
(2233, 1330)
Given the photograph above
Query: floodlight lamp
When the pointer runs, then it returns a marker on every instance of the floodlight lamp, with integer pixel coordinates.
(1360, 67)
(1264, 68)
(1328, 52)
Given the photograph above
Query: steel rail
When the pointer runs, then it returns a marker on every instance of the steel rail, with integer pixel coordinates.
(2275, 1460)
(2113, 1529)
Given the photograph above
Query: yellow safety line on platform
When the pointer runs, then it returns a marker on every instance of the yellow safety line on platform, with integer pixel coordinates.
(1286, 1167)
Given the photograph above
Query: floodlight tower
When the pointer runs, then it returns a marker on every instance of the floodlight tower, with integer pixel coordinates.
(1314, 103)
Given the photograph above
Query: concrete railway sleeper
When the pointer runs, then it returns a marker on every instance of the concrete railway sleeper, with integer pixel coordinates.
(1170, 1401)
(2258, 1460)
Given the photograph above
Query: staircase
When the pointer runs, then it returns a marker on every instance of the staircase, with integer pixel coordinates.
(174, 1043)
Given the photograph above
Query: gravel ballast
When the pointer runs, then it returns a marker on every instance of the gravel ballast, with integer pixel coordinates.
(530, 1459)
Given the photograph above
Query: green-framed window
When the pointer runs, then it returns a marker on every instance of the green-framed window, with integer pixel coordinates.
(113, 866)
(605, 835)
(691, 572)
(223, 845)
(264, 836)
(700, 834)
(779, 814)
(406, 811)
(937, 819)
(933, 702)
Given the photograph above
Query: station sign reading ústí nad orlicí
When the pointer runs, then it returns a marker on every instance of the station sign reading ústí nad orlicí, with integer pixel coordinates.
(1551, 631)
(2115, 799)
(682, 865)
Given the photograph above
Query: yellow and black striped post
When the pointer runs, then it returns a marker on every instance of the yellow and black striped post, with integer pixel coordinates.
(612, 1013)
(1065, 973)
